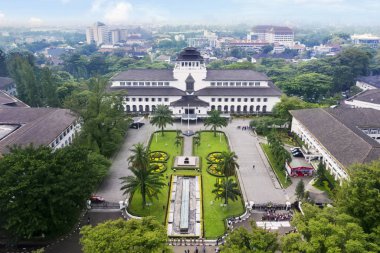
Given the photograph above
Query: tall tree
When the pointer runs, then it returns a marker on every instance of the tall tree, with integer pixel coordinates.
(139, 236)
(161, 117)
(359, 197)
(42, 192)
(227, 189)
(215, 121)
(228, 163)
(300, 190)
(3, 64)
(241, 240)
(139, 158)
(49, 88)
(144, 182)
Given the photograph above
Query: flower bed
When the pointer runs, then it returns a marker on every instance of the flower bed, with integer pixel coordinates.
(214, 170)
(158, 156)
(158, 167)
(214, 157)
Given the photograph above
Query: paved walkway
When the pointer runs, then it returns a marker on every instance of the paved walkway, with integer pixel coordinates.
(187, 146)
(110, 187)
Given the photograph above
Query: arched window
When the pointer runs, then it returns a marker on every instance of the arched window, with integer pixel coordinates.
(257, 108)
(147, 108)
(141, 108)
(153, 108)
(232, 108)
(134, 108)
(251, 108)
(238, 108)
(264, 108)
(128, 107)
(245, 108)
(212, 107)
(226, 108)
(219, 108)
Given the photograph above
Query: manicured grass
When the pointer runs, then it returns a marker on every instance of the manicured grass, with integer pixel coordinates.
(214, 214)
(158, 206)
(280, 172)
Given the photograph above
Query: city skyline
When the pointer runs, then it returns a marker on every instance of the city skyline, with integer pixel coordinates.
(36, 13)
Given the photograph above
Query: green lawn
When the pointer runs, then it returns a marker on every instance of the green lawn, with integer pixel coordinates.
(214, 215)
(280, 172)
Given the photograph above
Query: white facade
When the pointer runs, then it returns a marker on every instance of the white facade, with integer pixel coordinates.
(98, 34)
(66, 137)
(365, 86)
(316, 148)
(366, 40)
(361, 104)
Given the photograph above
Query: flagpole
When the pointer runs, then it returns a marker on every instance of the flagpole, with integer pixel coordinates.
(188, 118)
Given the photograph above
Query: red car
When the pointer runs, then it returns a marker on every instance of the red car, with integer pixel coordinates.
(96, 199)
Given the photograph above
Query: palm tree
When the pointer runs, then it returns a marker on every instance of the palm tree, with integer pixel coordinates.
(140, 157)
(147, 183)
(227, 189)
(161, 117)
(228, 163)
(215, 121)
(178, 141)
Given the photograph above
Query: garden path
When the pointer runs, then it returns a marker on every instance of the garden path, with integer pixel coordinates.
(187, 145)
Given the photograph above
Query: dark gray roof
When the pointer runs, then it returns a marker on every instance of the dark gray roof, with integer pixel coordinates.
(7, 101)
(39, 126)
(369, 96)
(235, 75)
(149, 91)
(338, 130)
(189, 54)
(372, 80)
(5, 81)
(239, 91)
(145, 75)
(189, 100)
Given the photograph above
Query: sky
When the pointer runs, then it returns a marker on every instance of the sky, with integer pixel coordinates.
(36, 13)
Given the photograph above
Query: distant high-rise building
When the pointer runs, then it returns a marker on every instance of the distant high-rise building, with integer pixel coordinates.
(98, 34)
(272, 34)
(366, 40)
(115, 36)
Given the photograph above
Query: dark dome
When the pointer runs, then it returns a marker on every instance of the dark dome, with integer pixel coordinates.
(190, 54)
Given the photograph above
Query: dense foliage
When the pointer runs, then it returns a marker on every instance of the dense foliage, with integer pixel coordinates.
(215, 121)
(161, 117)
(42, 192)
(139, 236)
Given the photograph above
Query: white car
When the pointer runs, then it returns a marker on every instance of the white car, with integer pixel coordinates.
(294, 149)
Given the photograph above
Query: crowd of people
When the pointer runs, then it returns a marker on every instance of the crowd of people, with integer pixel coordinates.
(244, 127)
(271, 215)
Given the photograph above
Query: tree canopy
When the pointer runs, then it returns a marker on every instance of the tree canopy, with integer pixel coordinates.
(215, 120)
(140, 236)
(42, 192)
(161, 117)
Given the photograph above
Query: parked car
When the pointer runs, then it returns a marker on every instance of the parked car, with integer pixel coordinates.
(297, 154)
(96, 199)
(136, 125)
(295, 149)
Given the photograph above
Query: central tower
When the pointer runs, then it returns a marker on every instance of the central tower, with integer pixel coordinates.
(190, 62)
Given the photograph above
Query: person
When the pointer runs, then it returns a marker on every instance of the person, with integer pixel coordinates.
(217, 249)
(196, 250)
(88, 220)
(204, 248)
(253, 166)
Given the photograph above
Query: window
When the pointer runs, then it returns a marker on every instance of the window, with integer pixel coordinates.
(225, 84)
(219, 100)
(238, 83)
(135, 83)
(226, 100)
(265, 99)
(232, 84)
(244, 83)
(122, 83)
(252, 100)
(232, 100)
(154, 83)
(239, 99)
(141, 83)
(146, 99)
(159, 99)
(153, 99)
(129, 83)
(166, 83)
(140, 99)
(160, 83)
(251, 83)
(147, 83)
(257, 83)
(212, 83)
(133, 99)
(212, 99)
(258, 99)
(219, 83)
(127, 99)
(245, 99)
(166, 99)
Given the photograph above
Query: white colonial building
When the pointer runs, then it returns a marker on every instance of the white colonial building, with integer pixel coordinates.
(191, 90)
(339, 137)
(365, 99)
(368, 82)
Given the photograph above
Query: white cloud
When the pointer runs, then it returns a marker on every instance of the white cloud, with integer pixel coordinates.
(118, 12)
(97, 5)
(33, 21)
(2, 17)
(65, 1)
